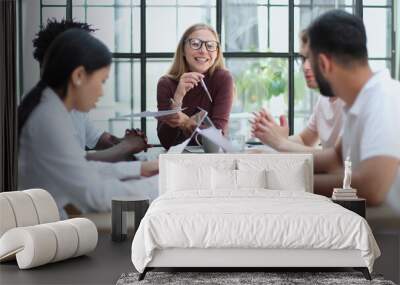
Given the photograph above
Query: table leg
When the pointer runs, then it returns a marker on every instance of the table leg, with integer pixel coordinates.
(116, 230)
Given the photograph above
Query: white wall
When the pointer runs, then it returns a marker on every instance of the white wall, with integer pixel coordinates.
(30, 26)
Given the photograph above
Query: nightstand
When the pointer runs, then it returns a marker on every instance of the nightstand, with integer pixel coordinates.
(356, 205)
(121, 205)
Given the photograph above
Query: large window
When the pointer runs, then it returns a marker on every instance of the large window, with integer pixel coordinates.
(259, 39)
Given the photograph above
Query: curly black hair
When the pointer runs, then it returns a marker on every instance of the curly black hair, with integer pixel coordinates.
(47, 35)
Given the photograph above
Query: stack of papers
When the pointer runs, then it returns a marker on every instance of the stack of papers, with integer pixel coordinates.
(344, 194)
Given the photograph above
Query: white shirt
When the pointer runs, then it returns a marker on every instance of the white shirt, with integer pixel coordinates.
(327, 120)
(51, 158)
(87, 134)
(372, 126)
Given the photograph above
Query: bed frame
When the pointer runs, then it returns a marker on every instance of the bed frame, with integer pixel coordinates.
(233, 257)
(248, 259)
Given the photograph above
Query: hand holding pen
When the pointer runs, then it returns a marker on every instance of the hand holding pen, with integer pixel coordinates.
(187, 82)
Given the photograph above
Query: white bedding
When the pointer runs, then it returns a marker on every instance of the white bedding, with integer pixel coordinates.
(250, 218)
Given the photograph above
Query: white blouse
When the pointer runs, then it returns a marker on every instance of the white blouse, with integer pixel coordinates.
(50, 157)
(87, 134)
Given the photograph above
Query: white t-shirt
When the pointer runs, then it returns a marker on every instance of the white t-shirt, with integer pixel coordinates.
(372, 126)
(51, 158)
(87, 134)
(327, 120)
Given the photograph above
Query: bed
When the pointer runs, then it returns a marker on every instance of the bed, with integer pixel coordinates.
(246, 211)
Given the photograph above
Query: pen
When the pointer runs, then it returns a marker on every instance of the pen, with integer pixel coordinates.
(205, 89)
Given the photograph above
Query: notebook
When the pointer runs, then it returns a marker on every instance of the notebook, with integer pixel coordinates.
(200, 118)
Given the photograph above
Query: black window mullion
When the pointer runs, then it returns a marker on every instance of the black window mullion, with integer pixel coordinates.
(131, 62)
(86, 6)
(176, 18)
(116, 63)
(143, 63)
(68, 14)
(380, 58)
(219, 18)
(255, 54)
(291, 67)
(41, 15)
(268, 25)
(359, 8)
(393, 49)
(126, 55)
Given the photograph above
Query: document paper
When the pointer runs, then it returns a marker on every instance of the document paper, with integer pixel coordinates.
(154, 114)
(216, 137)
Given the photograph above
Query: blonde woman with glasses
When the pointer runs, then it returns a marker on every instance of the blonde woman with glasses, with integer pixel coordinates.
(197, 78)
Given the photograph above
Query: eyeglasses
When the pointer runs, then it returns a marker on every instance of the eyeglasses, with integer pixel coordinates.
(301, 59)
(196, 44)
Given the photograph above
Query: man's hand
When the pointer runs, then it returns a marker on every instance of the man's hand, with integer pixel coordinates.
(149, 168)
(282, 129)
(268, 131)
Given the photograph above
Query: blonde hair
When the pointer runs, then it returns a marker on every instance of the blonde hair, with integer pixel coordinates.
(180, 66)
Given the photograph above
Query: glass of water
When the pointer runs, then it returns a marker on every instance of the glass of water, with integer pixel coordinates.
(238, 142)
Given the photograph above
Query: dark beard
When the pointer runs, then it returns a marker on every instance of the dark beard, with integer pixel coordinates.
(324, 87)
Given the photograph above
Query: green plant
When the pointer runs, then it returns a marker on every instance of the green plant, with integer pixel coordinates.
(261, 81)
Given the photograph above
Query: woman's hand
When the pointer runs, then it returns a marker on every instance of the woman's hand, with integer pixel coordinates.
(149, 168)
(182, 121)
(187, 81)
(176, 120)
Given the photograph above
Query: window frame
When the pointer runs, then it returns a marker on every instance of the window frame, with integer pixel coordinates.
(290, 55)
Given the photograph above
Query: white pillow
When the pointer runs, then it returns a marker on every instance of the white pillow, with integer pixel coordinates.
(223, 179)
(251, 179)
(282, 174)
(188, 177)
(293, 180)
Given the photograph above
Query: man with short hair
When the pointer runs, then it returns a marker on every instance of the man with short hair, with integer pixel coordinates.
(109, 148)
(371, 138)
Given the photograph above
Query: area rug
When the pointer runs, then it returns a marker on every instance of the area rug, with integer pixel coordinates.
(243, 278)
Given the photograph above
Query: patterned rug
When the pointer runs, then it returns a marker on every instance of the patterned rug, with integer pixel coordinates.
(242, 278)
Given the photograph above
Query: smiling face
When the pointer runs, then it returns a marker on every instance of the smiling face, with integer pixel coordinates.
(200, 60)
(90, 89)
